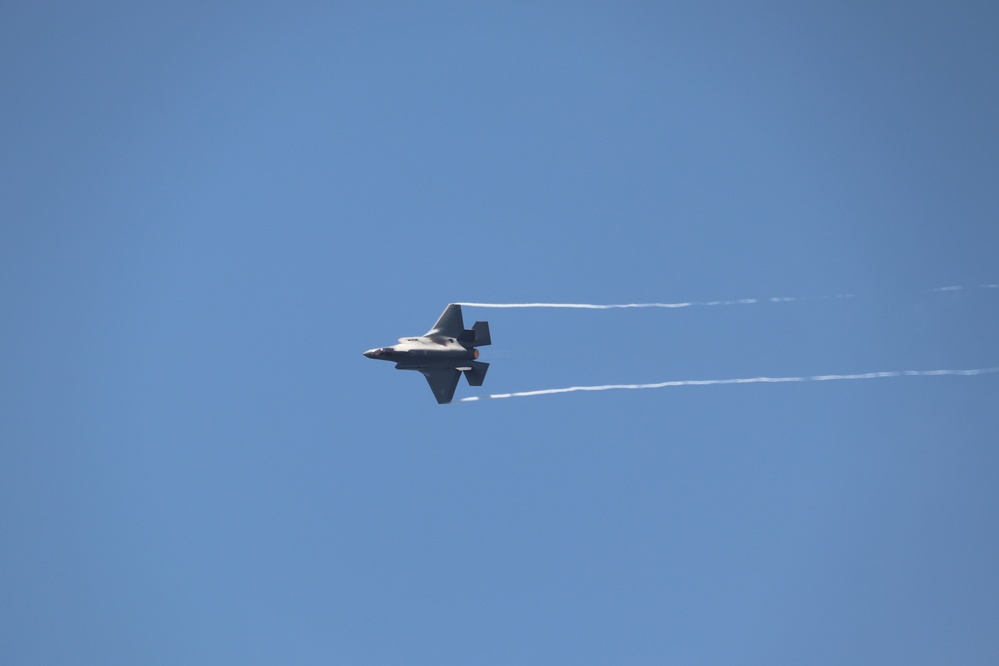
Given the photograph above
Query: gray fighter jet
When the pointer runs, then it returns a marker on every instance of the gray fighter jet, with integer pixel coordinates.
(442, 354)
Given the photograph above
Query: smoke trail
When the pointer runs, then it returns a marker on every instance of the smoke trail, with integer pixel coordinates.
(746, 380)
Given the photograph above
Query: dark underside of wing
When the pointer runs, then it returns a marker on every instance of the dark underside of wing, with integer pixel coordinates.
(442, 382)
(450, 324)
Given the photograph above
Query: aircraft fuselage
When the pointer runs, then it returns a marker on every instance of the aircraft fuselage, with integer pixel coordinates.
(416, 353)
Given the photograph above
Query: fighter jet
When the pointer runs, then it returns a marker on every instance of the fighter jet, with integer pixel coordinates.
(442, 354)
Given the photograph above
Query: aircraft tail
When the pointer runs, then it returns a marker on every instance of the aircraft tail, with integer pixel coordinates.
(477, 336)
(477, 374)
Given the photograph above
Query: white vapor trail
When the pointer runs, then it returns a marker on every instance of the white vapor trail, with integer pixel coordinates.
(960, 288)
(687, 304)
(745, 380)
(596, 306)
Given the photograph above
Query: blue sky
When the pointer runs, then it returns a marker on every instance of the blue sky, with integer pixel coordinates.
(209, 212)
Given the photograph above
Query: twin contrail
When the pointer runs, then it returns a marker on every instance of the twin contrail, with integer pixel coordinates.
(713, 382)
(744, 380)
(687, 304)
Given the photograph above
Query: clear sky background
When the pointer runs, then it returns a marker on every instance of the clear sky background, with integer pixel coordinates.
(209, 210)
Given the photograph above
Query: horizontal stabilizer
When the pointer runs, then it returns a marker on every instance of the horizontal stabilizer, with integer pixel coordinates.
(477, 336)
(477, 373)
(482, 338)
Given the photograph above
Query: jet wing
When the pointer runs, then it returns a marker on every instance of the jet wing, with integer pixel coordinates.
(450, 324)
(442, 382)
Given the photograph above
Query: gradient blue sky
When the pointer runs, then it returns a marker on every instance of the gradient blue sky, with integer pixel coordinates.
(209, 210)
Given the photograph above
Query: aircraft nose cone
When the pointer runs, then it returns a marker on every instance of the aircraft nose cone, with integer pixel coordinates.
(370, 353)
